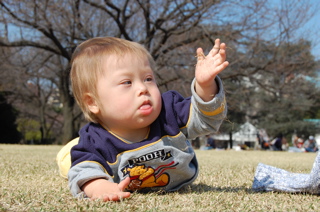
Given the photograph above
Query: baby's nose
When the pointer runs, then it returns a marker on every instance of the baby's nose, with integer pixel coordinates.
(143, 89)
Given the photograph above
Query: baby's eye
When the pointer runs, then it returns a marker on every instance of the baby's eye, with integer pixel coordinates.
(149, 79)
(128, 82)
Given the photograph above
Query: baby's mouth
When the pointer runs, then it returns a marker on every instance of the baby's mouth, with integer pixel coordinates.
(146, 108)
(145, 105)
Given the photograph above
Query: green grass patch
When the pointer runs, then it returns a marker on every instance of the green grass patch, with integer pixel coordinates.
(29, 181)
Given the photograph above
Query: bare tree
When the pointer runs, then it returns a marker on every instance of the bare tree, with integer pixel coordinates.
(54, 28)
(170, 29)
(32, 91)
(273, 61)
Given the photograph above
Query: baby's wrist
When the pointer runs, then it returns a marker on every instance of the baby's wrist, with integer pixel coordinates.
(206, 93)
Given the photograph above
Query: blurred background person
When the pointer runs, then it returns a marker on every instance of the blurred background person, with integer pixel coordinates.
(276, 143)
(311, 145)
(211, 144)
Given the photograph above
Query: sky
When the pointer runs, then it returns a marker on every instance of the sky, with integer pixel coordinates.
(312, 29)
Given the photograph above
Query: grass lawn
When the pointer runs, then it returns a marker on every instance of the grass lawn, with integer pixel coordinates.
(29, 181)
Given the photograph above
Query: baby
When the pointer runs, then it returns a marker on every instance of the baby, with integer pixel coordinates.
(138, 139)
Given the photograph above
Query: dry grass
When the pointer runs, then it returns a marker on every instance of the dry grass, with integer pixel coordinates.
(29, 181)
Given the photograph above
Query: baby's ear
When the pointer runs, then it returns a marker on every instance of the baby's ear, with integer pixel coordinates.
(91, 103)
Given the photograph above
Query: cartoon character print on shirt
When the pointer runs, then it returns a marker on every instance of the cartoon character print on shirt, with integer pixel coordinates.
(142, 176)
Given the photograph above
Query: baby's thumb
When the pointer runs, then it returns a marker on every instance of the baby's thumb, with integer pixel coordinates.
(124, 184)
(200, 54)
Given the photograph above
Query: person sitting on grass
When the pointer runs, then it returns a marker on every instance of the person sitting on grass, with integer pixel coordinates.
(310, 145)
(138, 139)
(211, 144)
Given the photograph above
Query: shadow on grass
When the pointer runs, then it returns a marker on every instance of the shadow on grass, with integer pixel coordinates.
(203, 188)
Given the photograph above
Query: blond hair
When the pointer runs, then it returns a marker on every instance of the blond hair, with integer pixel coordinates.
(86, 66)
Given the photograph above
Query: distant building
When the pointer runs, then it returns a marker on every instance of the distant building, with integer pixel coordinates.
(247, 135)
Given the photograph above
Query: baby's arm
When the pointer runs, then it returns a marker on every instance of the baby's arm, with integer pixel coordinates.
(91, 179)
(207, 68)
(106, 190)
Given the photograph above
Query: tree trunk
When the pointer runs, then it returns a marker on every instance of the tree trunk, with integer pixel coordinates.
(68, 132)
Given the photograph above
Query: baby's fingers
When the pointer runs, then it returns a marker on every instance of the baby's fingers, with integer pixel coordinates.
(221, 57)
(215, 49)
(200, 54)
(110, 197)
(221, 67)
(113, 196)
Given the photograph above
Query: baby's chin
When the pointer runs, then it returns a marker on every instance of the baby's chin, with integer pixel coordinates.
(146, 121)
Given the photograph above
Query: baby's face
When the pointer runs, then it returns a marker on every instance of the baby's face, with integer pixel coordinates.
(128, 94)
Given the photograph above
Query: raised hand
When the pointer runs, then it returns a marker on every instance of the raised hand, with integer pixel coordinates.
(207, 68)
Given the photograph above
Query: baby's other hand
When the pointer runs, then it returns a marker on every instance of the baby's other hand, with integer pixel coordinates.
(106, 190)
